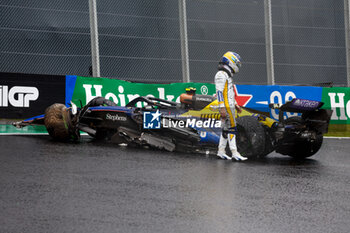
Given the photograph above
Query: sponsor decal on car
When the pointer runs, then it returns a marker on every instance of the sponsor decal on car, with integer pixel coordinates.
(191, 122)
(115, 117)
(305, 104)
(153, 120)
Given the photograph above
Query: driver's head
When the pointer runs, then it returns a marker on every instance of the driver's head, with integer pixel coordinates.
(232, 60)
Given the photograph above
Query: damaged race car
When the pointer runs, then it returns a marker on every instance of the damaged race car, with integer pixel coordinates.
(193, 125)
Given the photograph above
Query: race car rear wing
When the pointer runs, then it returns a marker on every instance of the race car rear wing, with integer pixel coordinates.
(298, 105)
(310, 110)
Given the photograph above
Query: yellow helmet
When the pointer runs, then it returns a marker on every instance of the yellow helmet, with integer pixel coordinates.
(232, 60)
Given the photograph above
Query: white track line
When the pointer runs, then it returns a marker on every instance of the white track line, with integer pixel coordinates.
(337, 137)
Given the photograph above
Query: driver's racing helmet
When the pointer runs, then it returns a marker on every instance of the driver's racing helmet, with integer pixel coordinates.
(232, 60)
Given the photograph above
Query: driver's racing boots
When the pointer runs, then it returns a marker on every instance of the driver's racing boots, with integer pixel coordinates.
(222, 147)
(237, 156)
(223, 156)
(232, 143)
(233, 147)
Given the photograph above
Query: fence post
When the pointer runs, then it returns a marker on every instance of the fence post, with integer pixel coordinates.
(347, 38)
(269, 43)
(184, 41)
(95, 54)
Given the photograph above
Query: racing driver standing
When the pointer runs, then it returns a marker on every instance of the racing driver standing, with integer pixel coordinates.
(228, 66)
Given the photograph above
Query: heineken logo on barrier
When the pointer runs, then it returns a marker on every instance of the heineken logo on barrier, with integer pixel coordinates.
(92, 91)
(341, 108)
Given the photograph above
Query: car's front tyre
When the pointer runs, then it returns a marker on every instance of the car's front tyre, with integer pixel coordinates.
(58, 123)
(250, 137)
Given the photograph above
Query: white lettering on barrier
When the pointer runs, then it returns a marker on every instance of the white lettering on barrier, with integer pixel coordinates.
(161, 93)
(339, 105)
(113, 96)
(121, 96)
(88, 93)
(275, 94)
(98, 92)
(18, 96)
(288, 97)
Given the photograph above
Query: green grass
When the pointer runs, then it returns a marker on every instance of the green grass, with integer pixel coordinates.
(335, 130)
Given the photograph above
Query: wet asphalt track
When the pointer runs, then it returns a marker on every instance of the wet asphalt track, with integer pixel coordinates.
(47, 186)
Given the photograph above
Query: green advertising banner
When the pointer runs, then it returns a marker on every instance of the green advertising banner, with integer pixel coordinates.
(122, 92)
(338, 99)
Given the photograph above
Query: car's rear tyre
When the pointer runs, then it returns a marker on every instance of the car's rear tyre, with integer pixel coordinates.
(270, 142)
(250, 137)
(300, 149)
(58, 122)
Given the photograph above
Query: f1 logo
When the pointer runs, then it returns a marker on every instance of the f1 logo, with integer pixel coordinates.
(151, 120)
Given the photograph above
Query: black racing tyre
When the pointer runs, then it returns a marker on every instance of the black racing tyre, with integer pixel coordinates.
(270, 142)
(301, 149)
(58, 122)
(250, 137)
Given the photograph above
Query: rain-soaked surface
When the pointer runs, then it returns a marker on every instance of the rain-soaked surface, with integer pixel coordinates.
(47, 186)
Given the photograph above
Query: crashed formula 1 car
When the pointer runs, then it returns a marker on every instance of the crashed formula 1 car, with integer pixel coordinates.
(180, 126)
